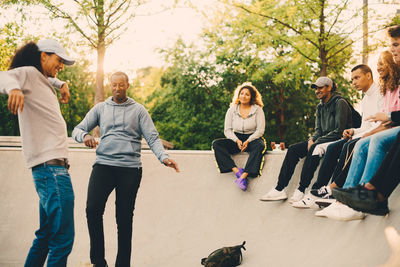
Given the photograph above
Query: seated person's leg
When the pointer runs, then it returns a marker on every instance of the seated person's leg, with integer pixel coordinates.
(329, 163)
(223, 149)
(307, 172)
(342, 168)
(380, 143)
(357, 165)
(293, 155)
(256, 148)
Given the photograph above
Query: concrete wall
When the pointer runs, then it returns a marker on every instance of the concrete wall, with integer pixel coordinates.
(182, 217)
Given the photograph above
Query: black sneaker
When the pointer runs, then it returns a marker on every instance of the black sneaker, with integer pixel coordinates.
(323, 192)
(358, 198)
(381, 209)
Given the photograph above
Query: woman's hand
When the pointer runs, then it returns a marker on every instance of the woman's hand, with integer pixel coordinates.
(380, 116)
(15, 101)
(239, 144)
(65, 94)
(244, 146)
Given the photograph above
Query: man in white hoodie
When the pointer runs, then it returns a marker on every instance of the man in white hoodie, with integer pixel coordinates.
(29, 84)
(122, 123)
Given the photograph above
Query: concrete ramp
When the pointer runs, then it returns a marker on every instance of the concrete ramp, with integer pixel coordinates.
(182, 217)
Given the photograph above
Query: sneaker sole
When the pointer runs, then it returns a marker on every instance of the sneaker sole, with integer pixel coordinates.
(346, 219)
(272, 199)
(320, 215)
(301, 207)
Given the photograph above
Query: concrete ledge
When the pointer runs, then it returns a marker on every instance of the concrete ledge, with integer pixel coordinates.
(15, 141)
(182, 217)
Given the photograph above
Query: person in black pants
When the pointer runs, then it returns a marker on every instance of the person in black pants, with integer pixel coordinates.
(122, 123)
(333, 116)
(371, 104)
(373, 196)
(336, 161)
(244, 127)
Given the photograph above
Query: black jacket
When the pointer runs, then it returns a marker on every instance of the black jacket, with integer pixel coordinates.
(332, 118)
(395, 116)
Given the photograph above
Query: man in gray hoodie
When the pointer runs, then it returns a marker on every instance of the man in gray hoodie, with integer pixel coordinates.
(122, 123)
(29, 84)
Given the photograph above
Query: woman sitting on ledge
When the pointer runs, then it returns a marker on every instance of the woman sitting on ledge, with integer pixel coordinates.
(244, 128)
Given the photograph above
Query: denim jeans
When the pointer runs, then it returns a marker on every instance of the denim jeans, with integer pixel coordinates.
(55, 236)
(368, 155)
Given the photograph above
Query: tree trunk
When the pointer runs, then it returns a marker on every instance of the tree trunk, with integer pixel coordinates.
(101, 51)
(99, 94)
(280, 116)
(322, 41)
(365, 33)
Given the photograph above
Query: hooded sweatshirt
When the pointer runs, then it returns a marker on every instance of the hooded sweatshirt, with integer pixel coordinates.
(253, 124)
(332, 119)
(121, 127)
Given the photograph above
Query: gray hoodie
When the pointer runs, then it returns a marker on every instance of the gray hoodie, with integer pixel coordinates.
(122, 127)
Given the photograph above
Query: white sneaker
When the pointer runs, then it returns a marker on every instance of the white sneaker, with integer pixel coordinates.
(327, 210)
(274, 195)
(306, 203)
(297, 196)
(343, 213)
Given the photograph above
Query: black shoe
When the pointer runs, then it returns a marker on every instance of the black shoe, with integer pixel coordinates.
(358, 198)
(322, 192)
(381, 209)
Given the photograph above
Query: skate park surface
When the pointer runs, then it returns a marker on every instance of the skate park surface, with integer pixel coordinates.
(183, 217)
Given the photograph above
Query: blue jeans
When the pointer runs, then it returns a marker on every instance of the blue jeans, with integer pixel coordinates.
(368, 155)
(55, 236)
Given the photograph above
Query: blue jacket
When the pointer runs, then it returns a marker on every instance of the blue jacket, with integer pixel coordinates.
(121, 127)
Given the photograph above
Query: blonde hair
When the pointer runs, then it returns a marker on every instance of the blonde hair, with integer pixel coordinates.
(256, 97)
(390, 81)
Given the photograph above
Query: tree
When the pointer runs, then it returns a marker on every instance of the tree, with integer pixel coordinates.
(10, 35)
(317, 29)
(199, 83)
(99, 22)
(81, 84)
(146, 82)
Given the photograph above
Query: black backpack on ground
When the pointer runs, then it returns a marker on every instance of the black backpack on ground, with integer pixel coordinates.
(225, 257)
(356, 117)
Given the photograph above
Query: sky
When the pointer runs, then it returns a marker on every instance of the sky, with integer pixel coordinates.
(138, 46)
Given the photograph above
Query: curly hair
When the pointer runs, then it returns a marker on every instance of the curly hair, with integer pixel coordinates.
(391, 80)
(256, 97)
(27, 55)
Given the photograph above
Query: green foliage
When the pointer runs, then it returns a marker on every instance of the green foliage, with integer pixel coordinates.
(198, 85)
(190, 109)
(81, 86)
(9, 36)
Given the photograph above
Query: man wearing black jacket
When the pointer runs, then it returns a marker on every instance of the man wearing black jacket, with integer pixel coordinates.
(333, 116)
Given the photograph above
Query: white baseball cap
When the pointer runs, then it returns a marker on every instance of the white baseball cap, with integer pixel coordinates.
(52, 46)
(322, 81)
